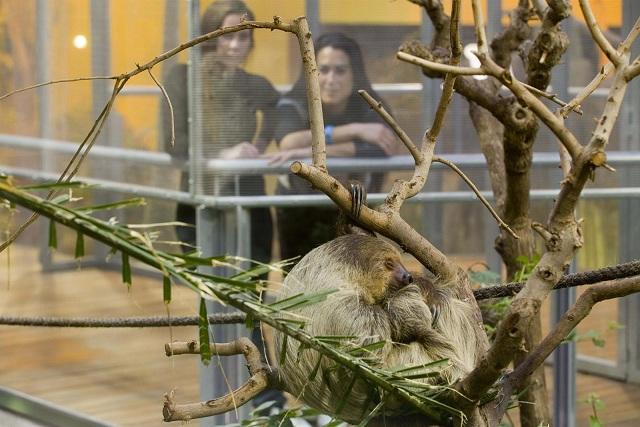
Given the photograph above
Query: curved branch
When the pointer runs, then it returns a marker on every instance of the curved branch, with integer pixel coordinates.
(439, 67)
(259, 381)
(553, 123)
(475, 189)
(580, 310)
(379, 108)
(597, 34)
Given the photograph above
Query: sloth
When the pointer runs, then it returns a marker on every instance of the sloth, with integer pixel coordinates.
(376, 300)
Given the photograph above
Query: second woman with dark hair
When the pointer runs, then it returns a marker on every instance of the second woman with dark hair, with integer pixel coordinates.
(352, 129)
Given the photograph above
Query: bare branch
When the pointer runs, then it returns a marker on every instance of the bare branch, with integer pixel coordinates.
(588, 89)
(314, 103)
(597, 35)
(258, 382)
(439, 67)
(580, 310)
(625, 46)
(552, 97)
(632, 70)
(53, 82)
(557, 127)
(481, 35)
(475, 189)
(379, 108)
(166, 97)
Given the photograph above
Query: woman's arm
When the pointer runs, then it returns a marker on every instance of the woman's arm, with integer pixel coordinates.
(374, 133)
(346, 149)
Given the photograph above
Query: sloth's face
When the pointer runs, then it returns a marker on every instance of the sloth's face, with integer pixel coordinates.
(399, 276)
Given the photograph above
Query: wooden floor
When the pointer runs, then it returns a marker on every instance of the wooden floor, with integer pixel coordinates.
(120, 375)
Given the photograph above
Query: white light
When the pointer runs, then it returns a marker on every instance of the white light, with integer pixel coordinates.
(473, 60)
(80, 41)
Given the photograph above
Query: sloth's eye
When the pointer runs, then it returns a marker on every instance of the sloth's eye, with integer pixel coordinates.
(389, 264)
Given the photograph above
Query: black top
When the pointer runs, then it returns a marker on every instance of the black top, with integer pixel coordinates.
(230, 104)
(292, 117)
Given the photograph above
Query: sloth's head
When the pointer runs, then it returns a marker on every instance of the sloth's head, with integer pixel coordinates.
(372, 264)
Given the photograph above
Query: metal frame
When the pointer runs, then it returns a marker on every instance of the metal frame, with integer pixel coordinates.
(32, 408)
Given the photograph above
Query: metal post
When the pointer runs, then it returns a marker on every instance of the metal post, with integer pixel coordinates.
(215, 236)
(564, 357)
(312, 12)
(490, 229)
(44, 110)
(629, 128)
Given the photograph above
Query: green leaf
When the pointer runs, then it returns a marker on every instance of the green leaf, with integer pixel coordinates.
(137, 201)
(54, 185)
(166, 289)
(126, 269)
(598, 342)
(487, 277)
(372, 414)
(343, 401)
(203, 328)
(594, 421)
(314, 372)
(614, 326)
(283, 349)
(301, 300)
(79, 245)
(249, 321)
(53, 236)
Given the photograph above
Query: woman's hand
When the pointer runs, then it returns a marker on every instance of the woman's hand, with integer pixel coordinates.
(378, 134)
(283, 156)
(244, 150)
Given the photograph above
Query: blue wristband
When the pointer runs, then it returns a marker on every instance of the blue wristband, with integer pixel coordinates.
(328, 134)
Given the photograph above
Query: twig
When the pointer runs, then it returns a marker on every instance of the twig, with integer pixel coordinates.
(632, 70)
(475, 189)
(481, 35)
(591, 296)
(437, 66)
(258, 382)
(53, 82)
(588, 90)
(597, 35)
(379, 108)
(66, 176)
(551, 96)
(166, 97)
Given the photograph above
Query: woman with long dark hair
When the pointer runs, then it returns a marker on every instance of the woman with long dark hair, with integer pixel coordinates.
(352, 129)
(237, 119)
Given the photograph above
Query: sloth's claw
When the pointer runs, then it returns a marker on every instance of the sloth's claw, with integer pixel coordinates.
(358, 198)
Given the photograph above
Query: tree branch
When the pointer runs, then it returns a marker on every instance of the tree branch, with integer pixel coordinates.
(439, 67)
(259, 381)
(597, 34)
(580, 310)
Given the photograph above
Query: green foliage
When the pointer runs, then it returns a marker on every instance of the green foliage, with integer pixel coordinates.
(268, 415)
(242, 292)
(595, 336)
(53, 236)
(527, 265)
(166, 289)
(203, 329)
(596, 404)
